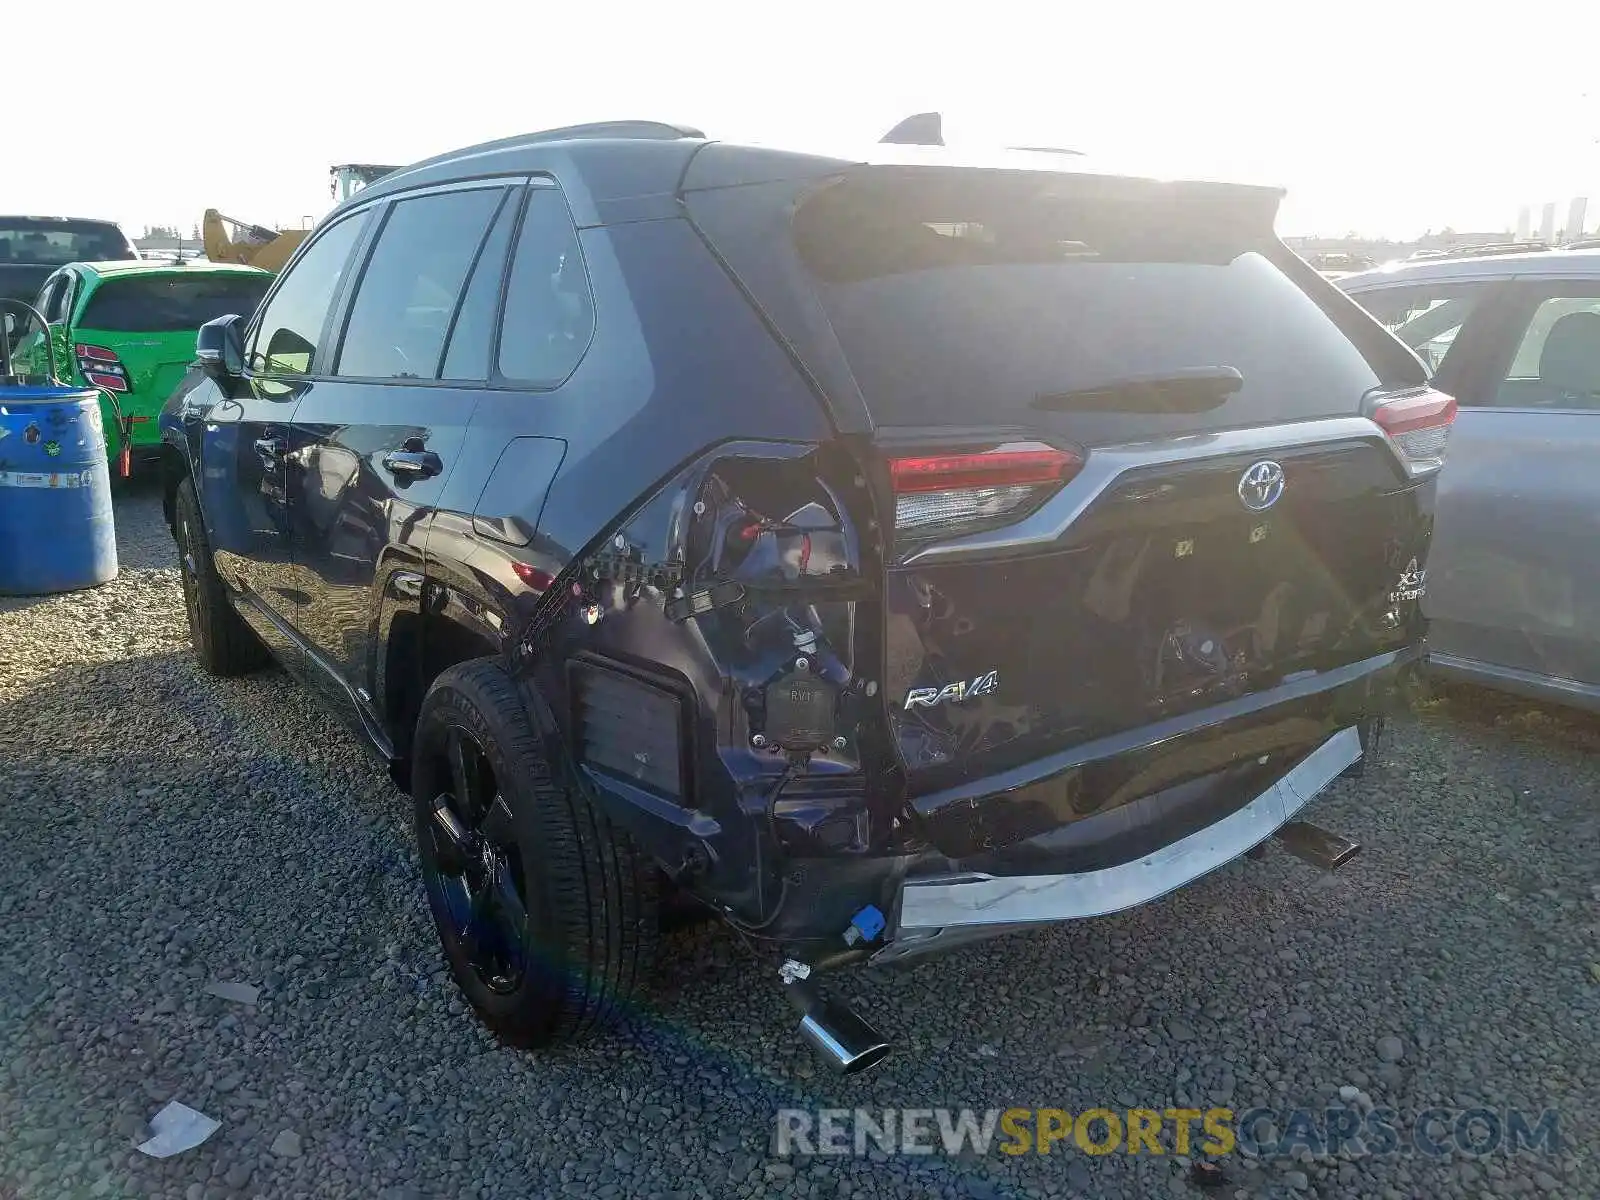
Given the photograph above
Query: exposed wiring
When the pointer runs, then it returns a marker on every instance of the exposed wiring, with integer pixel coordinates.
(772, 800)
(772, 828)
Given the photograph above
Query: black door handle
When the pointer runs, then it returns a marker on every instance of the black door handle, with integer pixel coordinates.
(412, 464)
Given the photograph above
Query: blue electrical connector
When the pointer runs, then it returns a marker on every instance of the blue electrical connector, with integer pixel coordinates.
(865, 926)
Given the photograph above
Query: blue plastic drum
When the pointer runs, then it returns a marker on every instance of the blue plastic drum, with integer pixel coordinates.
(57, 533)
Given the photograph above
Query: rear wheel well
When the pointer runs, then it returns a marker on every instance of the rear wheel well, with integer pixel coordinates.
(421, 647)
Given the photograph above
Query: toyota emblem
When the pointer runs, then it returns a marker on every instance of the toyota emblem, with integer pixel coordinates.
(1261, 485)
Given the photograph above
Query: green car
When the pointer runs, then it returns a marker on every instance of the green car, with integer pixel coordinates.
(129, 327)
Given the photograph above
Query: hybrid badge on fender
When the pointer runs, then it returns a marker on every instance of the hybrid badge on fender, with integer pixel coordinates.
(984, 685)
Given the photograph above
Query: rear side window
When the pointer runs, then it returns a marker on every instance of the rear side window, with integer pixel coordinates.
(1557, 360)
(408, 294)
(287, 339)
(171, 303)
(972, 298)
(549, 314)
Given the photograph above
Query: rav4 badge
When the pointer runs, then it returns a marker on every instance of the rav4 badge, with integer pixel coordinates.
(984, 685)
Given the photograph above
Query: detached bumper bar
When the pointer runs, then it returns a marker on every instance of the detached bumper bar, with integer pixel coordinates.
(972, 903)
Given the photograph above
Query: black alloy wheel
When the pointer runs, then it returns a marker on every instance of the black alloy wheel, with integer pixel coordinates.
(546, 911)
(472, 864)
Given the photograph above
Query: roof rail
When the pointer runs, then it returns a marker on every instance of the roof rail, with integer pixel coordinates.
(643, 130)
(625, 130)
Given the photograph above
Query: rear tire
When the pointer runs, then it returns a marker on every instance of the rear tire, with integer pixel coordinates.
(546, 911)
(223, 643)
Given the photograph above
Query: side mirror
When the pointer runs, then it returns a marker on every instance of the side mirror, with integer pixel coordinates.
(220, 346)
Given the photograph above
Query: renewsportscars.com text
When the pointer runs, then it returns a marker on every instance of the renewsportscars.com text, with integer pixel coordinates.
(1212, 1132)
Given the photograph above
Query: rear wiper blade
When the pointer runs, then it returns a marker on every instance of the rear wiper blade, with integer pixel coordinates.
(1190, 390)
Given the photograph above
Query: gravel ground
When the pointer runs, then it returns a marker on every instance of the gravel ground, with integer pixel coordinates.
(160, 831)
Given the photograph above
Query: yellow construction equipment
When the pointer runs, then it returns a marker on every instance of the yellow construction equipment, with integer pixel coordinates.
(346, 179)
(231, 241)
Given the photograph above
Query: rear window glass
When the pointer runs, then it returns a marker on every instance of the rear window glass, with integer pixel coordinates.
(986, 298)
(56, 243)
(171, 304)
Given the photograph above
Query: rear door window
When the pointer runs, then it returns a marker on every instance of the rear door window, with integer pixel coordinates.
(51, 301)
(22, 332)
(1426, 317)
(473, 331)
(549, 314)
(171, 303)
(413, 282)
(289, 334)
(1556, 363)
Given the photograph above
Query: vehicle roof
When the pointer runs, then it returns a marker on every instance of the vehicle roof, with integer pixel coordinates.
(616, 161)
(62, 220)
(1547, 263)
(147, 266)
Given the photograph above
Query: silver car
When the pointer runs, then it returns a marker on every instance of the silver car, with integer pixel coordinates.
(1513, 587)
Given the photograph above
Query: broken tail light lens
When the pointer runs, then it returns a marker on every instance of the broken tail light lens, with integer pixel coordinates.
(102, 367)
(951, 494)
(538, 580)
(1418, 426)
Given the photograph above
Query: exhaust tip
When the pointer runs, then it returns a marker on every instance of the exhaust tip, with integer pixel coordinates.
(846, 1042)
(1317, 846)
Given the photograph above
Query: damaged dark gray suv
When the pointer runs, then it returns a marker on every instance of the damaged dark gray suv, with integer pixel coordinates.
(886, 551)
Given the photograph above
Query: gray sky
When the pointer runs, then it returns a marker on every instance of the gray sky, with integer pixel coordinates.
(1381, 117)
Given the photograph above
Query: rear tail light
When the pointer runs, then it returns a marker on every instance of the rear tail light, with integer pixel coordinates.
(538, 580)
(102, 367)
(950, 494)
(1418, 426)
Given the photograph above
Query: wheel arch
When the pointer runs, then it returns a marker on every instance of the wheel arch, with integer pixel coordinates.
(175, 468)
(424, 631)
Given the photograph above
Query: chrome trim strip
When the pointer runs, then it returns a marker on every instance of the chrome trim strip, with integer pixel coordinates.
(1515, 680)
(1105, 464)
(977, 899)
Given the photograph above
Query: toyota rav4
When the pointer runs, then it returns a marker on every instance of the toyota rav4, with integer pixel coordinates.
(884, 550)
